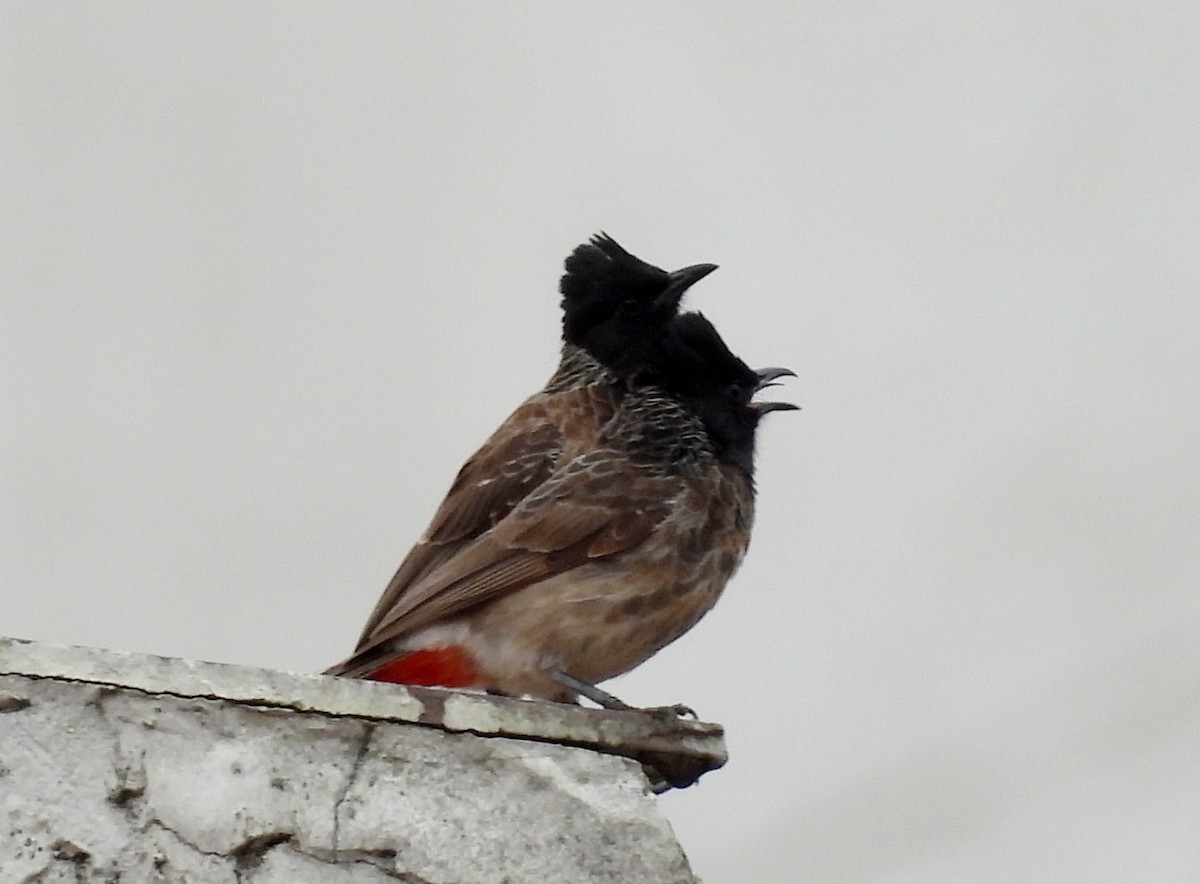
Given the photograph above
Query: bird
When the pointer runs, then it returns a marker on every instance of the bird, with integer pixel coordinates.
(616, 308)
(617, 553)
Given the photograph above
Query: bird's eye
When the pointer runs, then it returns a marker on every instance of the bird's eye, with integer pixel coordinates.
(631, 307)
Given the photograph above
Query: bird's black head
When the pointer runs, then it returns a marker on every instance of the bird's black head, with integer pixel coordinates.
(618, 307)
(718, 387)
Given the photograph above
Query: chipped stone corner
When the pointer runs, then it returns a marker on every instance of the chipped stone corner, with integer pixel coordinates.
(137, 768)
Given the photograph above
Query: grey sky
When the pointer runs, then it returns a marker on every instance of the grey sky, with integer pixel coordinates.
(270, 272)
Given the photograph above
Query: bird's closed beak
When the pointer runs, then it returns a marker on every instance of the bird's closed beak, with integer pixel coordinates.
(682, 280)
(767, 378)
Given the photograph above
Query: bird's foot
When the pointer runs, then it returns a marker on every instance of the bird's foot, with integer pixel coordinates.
(605, 700)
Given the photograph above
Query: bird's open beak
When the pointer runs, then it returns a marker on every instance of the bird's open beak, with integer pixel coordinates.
(682, 280)
(767, 378)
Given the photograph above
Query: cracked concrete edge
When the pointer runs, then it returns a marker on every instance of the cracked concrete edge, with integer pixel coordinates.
(153, 780)
(677, 751)
(364, 747)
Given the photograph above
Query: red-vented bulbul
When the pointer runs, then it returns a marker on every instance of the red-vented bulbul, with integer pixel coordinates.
(618, 552)
(616, 308)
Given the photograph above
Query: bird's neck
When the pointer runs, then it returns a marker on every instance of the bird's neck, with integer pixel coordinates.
(577, 368)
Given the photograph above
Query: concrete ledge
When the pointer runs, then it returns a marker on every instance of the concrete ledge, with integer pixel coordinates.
(131, 767)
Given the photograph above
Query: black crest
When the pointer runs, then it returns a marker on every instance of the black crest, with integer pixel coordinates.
(617, 306)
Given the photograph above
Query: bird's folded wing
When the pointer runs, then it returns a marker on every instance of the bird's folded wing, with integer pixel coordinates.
(497, 478)
(513, 461)
(580, 514)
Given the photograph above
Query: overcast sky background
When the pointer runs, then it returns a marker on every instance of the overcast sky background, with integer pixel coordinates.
(270, 272)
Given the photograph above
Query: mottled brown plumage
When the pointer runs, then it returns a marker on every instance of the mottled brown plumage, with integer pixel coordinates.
(615, 313)
(622, 549)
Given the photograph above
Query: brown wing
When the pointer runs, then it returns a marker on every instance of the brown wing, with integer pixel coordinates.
(518, 457)
(596, 506)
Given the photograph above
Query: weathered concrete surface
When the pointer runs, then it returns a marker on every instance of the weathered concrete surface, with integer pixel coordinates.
(131, 768)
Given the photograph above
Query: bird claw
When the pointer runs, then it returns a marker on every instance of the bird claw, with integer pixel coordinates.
(674, 712)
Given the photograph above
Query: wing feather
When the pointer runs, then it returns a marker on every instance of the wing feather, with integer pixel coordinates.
(599, 505)
(512, 462)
